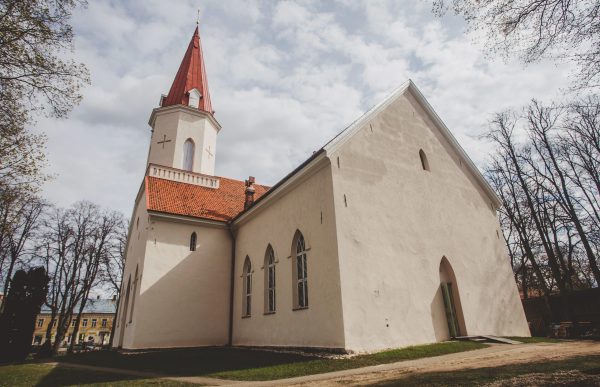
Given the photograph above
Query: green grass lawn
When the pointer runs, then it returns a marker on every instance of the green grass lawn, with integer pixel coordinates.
(535, 340)
(47, 375)
(577, 371)
(249, 364)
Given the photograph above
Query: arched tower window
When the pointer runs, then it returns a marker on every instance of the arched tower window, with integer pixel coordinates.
(424, 161)
(300, 272)
(193, 240)
(269, 280)
(247, 286)
(188, 154)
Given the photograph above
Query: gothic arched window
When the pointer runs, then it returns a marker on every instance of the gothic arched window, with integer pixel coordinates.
(247, 286)
(424, 161)
(188, 154)
(193, 240)
(269, 280)
(300, 272)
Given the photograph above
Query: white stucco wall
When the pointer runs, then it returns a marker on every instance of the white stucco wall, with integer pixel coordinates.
(301, 208)
(178, 124)
(136, 250)
(399, 222)
(184, 295)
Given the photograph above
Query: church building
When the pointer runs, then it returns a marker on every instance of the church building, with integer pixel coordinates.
(385, 237)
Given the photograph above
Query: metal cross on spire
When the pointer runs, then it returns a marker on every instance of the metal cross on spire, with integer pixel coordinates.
(198, 17)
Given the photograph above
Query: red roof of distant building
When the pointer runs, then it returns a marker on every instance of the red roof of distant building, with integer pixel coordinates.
(221, 204)
(191, 75)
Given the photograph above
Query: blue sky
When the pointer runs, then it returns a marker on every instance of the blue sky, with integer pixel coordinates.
(284, 78)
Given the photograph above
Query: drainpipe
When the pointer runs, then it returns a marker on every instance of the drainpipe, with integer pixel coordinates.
(231, 284)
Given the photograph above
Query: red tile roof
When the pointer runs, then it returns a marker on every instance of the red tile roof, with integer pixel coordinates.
(221, 204)
(191, 74)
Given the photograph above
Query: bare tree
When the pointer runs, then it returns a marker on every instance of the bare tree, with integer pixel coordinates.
(98, 250)
(533, 29)
(75, 244)
(549, 184)
(543, 123)
(35, 72)
(36, 76)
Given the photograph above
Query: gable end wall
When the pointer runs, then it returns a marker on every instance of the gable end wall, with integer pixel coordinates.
(395, 222)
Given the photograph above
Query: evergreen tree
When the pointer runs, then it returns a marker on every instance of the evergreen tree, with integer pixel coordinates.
(23, 303)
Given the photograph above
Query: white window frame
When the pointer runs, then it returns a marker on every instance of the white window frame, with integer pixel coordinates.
(301, 272)
(193, 241)
(189, 151)
(84, 322)
(247, 286)
(270, 281)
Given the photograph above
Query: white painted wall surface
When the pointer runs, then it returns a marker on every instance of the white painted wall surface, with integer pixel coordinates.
(178, 123)
(136, 250)
(321, 324)
(184, 295)
(398, 224)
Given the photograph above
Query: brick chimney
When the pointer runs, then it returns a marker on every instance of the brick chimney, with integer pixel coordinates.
(249, 197)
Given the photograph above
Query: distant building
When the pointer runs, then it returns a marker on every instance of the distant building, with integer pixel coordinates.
(96, 321)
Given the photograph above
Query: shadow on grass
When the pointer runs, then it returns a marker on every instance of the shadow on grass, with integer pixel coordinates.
(36, 374)
(583, 371)
(253, 364)
(65, 376)
(187, 362)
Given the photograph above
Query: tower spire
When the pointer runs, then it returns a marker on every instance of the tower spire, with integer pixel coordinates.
(190, 86)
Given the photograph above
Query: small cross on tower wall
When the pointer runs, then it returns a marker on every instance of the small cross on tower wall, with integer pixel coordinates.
(210, 154)
(164, 140)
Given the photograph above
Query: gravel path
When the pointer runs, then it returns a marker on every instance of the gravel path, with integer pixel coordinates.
(495, 355)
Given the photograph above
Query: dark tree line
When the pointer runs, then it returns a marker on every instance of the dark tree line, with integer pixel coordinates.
(23, 303)
(546, 170)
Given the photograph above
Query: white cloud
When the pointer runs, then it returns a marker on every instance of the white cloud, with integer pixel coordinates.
(284, 78)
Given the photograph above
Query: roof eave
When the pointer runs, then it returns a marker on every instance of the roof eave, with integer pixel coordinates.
(187, 219)
(188, 109)
(282, 185)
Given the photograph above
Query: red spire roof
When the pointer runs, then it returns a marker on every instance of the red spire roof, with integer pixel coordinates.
(191, 75)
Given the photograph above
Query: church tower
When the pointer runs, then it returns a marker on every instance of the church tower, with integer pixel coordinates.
(184, 130)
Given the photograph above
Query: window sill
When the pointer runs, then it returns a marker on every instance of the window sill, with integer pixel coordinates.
(247, 316)
(300, 308)
(267, 313)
